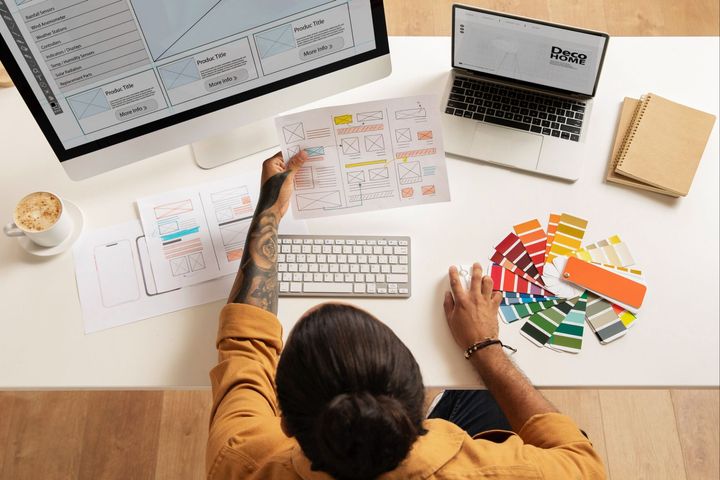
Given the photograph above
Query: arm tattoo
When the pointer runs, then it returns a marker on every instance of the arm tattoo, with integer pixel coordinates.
(256, 282)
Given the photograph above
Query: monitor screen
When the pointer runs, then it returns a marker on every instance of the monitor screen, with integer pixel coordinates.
(98, 72)
(516, 48)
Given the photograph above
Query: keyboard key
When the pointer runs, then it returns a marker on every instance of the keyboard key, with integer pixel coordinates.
(327, 287)
(575, 138)
(569, 128)
(359, 288)
(284, 287)
(574, 122)
(536, 129)
(578, 108)
(506, 123)
(399, 269)
(555, 133)
(396, 278)
(546, 131)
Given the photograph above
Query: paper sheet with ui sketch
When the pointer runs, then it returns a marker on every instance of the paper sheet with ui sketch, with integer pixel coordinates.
(198, 233)
(117, 285)
(367, 156)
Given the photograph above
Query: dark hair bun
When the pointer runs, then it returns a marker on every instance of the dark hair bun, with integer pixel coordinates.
(363, 435)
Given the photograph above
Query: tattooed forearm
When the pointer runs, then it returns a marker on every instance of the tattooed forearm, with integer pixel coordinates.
(256, 282)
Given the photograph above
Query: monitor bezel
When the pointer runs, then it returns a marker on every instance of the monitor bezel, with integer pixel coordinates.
(539, 22)
(63, 154)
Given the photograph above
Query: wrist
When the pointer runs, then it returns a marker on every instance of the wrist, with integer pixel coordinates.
(489, 358)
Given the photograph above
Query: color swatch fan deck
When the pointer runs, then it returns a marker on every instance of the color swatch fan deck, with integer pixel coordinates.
(557, 286)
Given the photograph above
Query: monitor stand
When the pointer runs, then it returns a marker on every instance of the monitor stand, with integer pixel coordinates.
(236, 144)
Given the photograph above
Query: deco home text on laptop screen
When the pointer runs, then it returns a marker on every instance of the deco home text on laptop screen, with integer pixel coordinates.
(524, 50)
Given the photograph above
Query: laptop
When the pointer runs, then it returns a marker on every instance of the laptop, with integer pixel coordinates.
(520, 91)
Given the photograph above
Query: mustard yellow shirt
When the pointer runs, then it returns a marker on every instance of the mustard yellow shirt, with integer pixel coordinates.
(246, 441)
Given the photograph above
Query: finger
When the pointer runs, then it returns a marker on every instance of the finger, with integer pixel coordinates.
(476, 280)
(455, 284)
(297, 160)
(448, 304)
(272, 161)
(497, 298)
(487, 286)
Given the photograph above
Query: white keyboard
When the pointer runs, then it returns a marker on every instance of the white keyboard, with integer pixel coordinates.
(344, 266)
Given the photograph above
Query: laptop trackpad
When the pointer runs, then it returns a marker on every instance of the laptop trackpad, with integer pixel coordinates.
(507, 146)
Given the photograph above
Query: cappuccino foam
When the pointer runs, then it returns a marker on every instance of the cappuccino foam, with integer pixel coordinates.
(38, 212)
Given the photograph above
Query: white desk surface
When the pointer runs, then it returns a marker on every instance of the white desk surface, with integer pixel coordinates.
(675, 342)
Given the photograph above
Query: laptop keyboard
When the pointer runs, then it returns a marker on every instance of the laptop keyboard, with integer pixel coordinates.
(516, 108)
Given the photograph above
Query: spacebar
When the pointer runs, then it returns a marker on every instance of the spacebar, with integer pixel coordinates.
(506, 123)
(327, 287)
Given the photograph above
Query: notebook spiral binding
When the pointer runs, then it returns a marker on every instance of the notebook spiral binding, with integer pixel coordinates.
(634, 124)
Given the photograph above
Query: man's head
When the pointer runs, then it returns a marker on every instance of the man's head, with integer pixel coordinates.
(350, 392)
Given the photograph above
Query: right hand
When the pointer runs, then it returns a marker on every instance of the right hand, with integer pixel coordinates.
(472, 314)
(280, 189)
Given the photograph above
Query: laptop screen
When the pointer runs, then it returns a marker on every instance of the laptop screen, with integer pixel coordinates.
(526, 50)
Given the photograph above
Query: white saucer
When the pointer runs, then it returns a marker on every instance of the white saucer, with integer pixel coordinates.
(78, 219)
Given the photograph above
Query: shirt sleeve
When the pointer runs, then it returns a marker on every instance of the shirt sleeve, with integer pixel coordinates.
(249, 342)
(555, 444)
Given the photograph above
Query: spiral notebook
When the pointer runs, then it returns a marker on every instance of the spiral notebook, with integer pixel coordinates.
(659, 145)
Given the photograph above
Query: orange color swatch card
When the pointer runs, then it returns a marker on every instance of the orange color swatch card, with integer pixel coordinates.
(615, 287)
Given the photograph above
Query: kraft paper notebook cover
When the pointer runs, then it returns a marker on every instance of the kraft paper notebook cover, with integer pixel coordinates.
(664, 144)
(626, 115)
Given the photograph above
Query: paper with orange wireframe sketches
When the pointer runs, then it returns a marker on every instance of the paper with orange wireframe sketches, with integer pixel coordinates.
(368, 156)
(198, 233)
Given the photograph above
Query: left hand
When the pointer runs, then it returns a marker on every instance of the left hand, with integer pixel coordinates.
(276, 166)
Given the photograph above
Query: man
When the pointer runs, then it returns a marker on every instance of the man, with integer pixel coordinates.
(351, 393)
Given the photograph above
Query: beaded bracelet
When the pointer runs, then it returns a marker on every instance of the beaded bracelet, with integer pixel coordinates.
(486, 343)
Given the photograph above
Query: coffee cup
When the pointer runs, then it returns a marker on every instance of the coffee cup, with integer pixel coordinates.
(41, 217)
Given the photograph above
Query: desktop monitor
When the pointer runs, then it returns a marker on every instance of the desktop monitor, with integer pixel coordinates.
(111, 82)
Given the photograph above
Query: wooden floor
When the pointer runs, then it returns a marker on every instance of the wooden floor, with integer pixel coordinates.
(641, 434)
(617, 17)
